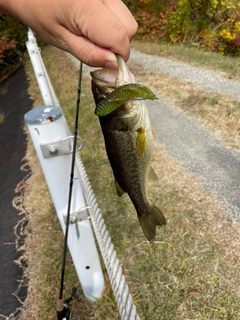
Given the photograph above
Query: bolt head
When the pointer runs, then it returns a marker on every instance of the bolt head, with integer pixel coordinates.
(53, 150)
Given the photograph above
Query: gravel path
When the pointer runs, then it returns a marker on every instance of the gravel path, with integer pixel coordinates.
(206, 80)
(201, 153)
(196, 150)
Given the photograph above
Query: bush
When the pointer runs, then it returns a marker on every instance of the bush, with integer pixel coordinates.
(13, 36)
(214, 25)
(224, 36)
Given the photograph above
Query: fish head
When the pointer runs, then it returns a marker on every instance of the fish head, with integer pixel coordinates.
(103, 82)
(106, 80)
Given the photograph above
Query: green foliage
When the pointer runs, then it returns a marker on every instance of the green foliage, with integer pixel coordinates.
(214, 25)
(13, 36)
(226, 35)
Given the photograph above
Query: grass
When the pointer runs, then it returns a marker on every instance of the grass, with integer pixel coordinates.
(192, 269)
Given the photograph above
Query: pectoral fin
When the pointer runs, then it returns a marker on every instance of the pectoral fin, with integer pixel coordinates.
(152, 177)
(119, 190)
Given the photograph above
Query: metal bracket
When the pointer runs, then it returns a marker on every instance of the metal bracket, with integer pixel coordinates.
(78, 216)
(59, 147)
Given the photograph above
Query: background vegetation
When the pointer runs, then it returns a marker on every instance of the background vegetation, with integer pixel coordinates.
(210, 24)
(213, 25)
(13, 36)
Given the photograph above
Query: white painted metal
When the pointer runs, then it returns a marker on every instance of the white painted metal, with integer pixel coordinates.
(48, 94)
(56, 170)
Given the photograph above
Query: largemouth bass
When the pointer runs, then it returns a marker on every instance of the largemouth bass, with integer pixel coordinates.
(129, 139)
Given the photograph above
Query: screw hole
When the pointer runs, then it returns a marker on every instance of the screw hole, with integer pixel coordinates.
(87, 267)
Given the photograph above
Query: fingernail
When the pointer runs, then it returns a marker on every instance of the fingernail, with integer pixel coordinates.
(111, 65)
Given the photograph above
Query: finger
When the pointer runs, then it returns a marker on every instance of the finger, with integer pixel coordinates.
(101, 26)
(85, 50)
(122, 13)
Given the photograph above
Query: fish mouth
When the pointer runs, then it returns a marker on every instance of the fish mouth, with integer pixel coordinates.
(112, 78)
(105, 77)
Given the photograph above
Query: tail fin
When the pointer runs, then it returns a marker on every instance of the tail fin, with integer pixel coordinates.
(150, 221)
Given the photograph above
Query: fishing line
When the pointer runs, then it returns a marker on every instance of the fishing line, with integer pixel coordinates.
(164, 100)
(60, 304)
(171, 116)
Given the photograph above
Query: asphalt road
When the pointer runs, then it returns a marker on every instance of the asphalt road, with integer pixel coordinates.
(14, 103)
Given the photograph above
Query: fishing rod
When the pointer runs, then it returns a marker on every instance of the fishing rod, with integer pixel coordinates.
(63, 307)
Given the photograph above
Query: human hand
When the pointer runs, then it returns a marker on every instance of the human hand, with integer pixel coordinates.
(91, 30)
